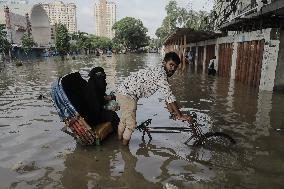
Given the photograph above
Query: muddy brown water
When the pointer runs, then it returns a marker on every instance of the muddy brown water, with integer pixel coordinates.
(34, 153)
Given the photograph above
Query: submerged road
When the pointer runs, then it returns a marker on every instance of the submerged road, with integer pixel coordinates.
(34, 153)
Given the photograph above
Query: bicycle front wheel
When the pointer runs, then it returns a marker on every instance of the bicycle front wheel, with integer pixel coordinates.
(213, 138)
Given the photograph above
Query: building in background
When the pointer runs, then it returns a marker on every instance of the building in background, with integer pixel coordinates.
(250, 49)
(105, 17)
(58, 12)
(24, 18)
(20, 19)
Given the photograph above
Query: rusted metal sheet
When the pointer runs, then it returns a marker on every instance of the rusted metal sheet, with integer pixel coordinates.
(210, 53)
(200, 58)
(193, 50)
(249, 62)
(225, 59)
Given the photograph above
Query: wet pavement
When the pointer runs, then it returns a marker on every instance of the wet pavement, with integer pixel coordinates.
(34, 153)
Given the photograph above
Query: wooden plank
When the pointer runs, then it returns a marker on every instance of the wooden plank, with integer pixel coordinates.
(200, 57)
(241, 61)
(220, 59)
(230, 60)
(244, 61)
(239, 55)
(248, 63)
(251, 63)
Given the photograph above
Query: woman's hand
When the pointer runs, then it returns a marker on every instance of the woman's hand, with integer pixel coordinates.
(108, 97)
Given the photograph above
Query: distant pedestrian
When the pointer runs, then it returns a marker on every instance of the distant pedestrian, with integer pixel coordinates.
(211, 67)
(190, 56)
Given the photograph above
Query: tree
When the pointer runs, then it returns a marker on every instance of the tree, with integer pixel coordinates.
(83, 42)
(4, 43)
(169, 23)
(27, 43)
(221, 12)
(180, 17)
(117, 47)
(130, 33)
(62, 42)
(103, 43)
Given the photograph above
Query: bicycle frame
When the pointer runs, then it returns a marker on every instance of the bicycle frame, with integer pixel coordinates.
(192, 128)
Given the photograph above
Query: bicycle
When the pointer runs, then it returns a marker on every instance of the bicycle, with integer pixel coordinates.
(193, 127)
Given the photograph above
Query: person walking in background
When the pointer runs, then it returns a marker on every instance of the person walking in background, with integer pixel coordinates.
(190, 57)
(211, 67)
(145, 83)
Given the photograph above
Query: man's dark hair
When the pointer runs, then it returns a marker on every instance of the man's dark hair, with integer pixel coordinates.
(172, 56)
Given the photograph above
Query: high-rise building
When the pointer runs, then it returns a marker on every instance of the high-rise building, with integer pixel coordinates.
(105, 17)
(58, 12)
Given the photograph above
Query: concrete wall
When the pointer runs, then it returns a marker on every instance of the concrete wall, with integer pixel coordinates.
(270, 53)
(279, 77)
(18, 23)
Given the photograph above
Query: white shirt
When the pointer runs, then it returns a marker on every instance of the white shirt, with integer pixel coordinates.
(212, 61)
(145, 83)
(189, 56)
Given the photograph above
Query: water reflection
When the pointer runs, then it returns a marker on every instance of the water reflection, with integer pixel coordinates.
(105, 167)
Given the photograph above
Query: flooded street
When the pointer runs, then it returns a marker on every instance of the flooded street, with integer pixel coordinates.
(34, 153)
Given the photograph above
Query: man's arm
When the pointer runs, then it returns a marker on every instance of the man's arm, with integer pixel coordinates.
(171, 101)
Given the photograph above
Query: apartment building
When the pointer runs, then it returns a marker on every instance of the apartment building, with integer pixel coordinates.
(105, 17)
(58, 12)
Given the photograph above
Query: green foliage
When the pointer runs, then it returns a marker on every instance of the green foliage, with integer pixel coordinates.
(117, 47)
(155, 43)
(84, 41)
(27, 43)
(180, 17)
(4, 43)
(101, 42)
(221, 12)
(62, 42)
(73, 46)
(130, 33)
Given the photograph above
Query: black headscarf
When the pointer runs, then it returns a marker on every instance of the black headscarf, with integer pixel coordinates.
(95, 92)
(98, 80)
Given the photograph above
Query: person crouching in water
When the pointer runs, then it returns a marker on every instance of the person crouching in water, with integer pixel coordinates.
(145, 83)
(96, 99)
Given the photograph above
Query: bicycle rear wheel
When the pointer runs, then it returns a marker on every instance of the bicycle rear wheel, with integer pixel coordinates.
(215, 138)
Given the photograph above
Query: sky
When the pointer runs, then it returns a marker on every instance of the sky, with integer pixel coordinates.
(151, 12)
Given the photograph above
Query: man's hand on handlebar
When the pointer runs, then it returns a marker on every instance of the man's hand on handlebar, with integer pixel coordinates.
(185, 117)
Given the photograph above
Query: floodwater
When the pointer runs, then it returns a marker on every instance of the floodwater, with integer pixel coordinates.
(34, 153)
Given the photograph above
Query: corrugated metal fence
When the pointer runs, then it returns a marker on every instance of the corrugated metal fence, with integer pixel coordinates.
(225, 59)
(249, 62)
(200, 58)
